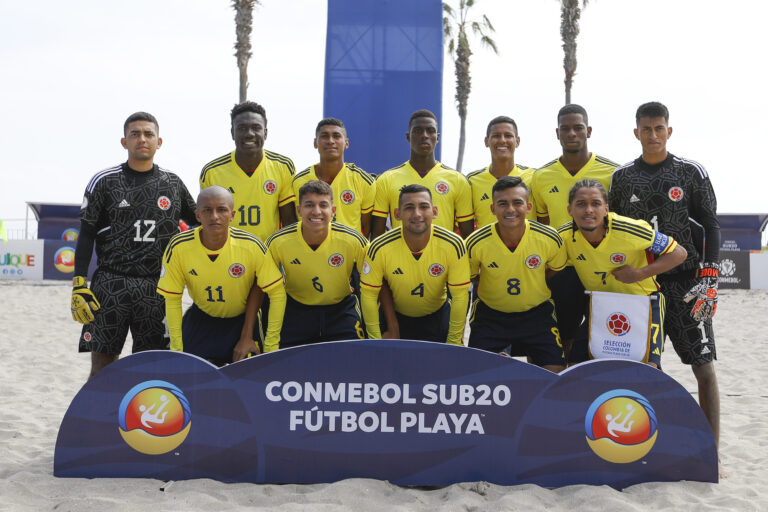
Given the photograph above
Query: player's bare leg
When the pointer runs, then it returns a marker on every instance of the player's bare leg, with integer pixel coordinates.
(99, 361)
(709, 396)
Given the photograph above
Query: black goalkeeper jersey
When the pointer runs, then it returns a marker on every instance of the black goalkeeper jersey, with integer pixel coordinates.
(134, 215)
(677, 199)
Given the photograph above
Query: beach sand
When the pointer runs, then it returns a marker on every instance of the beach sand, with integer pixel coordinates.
(42, 372)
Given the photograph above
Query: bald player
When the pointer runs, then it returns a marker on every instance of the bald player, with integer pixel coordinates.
(223, 269)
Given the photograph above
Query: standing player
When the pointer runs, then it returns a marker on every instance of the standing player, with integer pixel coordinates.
(676, 197)
(353, 188)
(610, 254)
(418, 260)
(502, 139)
(453, 201)
(260, 181)
(317, 257)
(129, 212)
(550, 186)
(221, 267)
(512, 257)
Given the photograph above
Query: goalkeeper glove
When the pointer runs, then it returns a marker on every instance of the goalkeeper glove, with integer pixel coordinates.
(84, 302)
(704, 293)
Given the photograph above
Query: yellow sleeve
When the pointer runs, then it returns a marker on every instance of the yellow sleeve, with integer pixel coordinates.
(540, 207)
(381, 201)
(559, 257)
(173, 319)
(370, 286)
(458, 318)
(286, 191)
(458, 280)
(277, 300)
(463, 201)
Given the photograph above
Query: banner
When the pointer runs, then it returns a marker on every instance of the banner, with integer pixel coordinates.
(383, 61)
(734, 270)
(413, 413)
(619, 326)
(21, 259)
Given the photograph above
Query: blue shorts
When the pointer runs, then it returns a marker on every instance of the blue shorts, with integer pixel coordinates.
(431, 327)
(532, 333)
(304, 324)
(580, 350)
(210, 337)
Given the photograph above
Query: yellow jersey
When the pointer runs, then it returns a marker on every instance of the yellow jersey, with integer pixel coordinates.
(218, 281)
(258, 196)
(353, 193)
(513, 282)
(418, 285)
(319, 276)
(449, 188)
(551, 184)
(482, 182)
(627, 242)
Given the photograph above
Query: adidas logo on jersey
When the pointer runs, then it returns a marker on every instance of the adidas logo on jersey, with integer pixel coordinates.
(493, 265)
(124, 204)
(231, 190)
(398, 271)
(295, 261)
(485, 197)
(656, 351)
(705, 350)
(634, 199)
(192, 272)
(581, 257)
(554, 189)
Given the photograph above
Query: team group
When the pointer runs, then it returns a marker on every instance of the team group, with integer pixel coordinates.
(531, 241)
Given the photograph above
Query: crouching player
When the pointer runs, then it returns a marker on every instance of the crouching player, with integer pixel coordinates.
(317, 257)
(418, 260)
(509, 262)
(222, 268)
(611, 253)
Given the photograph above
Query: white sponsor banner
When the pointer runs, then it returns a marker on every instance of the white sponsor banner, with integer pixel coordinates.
(619, 326)
(21, 259)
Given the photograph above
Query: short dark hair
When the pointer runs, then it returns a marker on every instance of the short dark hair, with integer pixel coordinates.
(500, 120)
(652, 109)
(318, 187)
(573, 108)
(412, 189)
(506, 182)
(330, 121)
(421, 113)
(248, 106)
(587, 183)
(140, 116)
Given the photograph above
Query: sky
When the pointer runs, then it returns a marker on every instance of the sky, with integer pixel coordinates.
(73, 71)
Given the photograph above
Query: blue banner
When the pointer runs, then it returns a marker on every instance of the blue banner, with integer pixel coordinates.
(414, 413)
(383, 61)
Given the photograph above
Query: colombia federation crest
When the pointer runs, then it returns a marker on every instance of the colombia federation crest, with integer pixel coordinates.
(621, 426)
(154, 417)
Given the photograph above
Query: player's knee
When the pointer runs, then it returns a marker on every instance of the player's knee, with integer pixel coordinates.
(705, 373)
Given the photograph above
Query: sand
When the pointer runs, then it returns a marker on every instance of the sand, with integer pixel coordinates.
(41, 372)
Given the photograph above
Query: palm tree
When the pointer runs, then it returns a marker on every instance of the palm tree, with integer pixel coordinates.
(569, 30)
(243, 26)
(455, 24)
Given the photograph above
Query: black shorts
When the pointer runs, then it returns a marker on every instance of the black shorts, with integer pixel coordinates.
(431, 327)
(211, 337)
(126, 303)
(693, 341)
(532, 333)
(580, 348)
(303, 324)
(570, 301)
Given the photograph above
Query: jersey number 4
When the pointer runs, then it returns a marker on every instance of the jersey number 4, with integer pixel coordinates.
(419, 290)
(149, 228)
